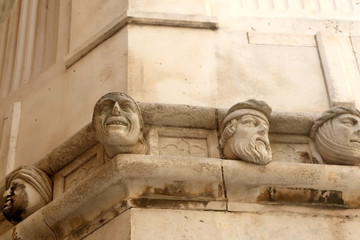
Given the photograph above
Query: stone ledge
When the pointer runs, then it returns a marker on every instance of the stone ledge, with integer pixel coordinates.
(143, 18)
(289, 183)
(185, 183)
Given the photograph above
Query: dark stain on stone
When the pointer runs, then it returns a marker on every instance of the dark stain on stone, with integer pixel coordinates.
(180, 189)
(300, 195)
(166, 203)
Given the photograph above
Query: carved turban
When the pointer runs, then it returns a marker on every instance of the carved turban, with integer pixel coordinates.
(323, 134)
(34, 176)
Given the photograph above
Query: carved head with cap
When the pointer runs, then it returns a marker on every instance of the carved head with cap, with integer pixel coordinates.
(244, 132)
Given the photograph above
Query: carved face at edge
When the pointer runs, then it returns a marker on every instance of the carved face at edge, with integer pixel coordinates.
(116, 121)
(21, 200)
(250, 141)
(346, 128)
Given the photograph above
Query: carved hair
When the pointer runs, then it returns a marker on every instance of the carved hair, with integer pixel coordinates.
(228, 132)
(34, 176)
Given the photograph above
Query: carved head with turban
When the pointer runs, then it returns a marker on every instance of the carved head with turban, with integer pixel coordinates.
(118, 124)
(244, 132)
(28, 189)
(337, 136)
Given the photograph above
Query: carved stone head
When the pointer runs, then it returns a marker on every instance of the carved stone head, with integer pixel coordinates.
(337, 136)
(28, 189)
(118, 124)
(244, 132)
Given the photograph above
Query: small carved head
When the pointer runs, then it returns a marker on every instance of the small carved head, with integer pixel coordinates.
(118, 124)
(244, 132)
(337, 136)
(28, 189)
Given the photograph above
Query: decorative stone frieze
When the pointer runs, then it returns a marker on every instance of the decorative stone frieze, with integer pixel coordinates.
(118, 124)
(28, 189)
(337, 136)
(244, 132)
(183, 169)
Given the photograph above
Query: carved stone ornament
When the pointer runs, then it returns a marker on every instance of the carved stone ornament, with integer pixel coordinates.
(118, 125)
(337, 136)
(244, 132)
(28, 189)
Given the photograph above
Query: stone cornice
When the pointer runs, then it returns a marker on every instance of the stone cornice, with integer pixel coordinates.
(191, 182)
(141, 18)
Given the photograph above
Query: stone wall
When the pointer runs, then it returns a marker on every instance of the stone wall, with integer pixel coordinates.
(186, 62)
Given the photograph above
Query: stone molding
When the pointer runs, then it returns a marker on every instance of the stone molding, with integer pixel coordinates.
(140, 18)
(182, 182)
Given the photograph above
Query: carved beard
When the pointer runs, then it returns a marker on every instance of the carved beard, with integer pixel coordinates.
(252, 152)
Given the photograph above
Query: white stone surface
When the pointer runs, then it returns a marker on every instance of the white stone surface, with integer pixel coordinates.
(95, 15)
(117, 229)
(337, 51)
(175, 224)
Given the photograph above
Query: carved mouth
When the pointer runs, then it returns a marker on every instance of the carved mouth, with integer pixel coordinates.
(355, 140)
(117, 121)
(8, 203)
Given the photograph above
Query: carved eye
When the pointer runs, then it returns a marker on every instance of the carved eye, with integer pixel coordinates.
(126, 107)
(249, 122)
(348, 122)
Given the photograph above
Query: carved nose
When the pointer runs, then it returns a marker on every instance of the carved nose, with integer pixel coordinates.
(116, 109)
(262, 129)
(357, 129)
(7, 193)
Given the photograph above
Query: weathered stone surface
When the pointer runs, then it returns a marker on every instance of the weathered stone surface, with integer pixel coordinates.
(247, 182)
(178, 115)
(141, 179)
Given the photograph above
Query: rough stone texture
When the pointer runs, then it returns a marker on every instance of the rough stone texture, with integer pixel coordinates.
(246, 182)
(211, 54)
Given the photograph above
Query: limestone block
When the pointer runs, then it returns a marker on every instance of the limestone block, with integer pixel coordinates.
(280, 182)
(337, 51)
(117, 229)
(250, 224)
(249, 71)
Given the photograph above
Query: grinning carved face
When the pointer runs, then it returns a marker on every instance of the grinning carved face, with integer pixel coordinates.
(116, 121)
(21, 200)
(250, 142)
(346, 128)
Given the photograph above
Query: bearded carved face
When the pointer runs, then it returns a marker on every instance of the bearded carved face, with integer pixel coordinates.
(250, 142)
(21, 200)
